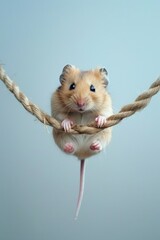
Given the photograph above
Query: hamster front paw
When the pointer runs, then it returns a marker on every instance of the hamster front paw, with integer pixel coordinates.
(67, 124)
(96, 146)
(100, 120)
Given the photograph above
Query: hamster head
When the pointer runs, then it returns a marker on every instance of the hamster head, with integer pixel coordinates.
(82, 91)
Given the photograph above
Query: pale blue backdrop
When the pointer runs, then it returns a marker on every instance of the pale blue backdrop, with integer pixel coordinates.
(38, 183)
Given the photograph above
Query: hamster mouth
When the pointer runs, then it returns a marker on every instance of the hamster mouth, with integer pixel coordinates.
(81, 110)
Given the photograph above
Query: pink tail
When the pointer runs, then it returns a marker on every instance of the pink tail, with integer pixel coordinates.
(81, 187)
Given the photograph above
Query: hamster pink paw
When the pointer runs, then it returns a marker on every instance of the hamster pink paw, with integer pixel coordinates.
(69, 148)
(67, 124)
(100, 120)
(96, 146)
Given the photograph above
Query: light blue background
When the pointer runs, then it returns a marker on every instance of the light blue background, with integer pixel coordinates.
(38, 183)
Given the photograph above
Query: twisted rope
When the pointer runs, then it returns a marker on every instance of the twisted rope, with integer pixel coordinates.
(140, 102)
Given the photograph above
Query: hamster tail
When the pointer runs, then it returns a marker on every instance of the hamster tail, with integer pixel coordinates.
(81, 186)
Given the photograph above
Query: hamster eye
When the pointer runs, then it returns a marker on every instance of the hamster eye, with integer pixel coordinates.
(92, 88)
(72, 86)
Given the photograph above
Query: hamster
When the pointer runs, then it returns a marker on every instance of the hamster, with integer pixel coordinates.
(81, 99)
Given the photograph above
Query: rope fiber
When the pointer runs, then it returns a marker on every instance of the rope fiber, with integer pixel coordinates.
(140, 102)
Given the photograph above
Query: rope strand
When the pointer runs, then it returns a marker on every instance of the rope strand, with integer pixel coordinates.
(140, 102)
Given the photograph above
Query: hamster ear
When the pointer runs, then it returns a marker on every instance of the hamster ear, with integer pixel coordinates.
(66, 70)
(104, 73)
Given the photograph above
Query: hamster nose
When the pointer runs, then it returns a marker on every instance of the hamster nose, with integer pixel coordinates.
(80, 103)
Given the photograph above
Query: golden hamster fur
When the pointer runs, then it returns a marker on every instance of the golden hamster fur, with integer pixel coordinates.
(81, 99)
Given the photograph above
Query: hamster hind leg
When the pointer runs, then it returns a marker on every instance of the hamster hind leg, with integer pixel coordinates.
(66, 142)
(96, 146)
(97, 142)
(69, 147)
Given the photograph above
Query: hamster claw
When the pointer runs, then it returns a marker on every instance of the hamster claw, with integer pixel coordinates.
(100, 120)
(67, 124)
